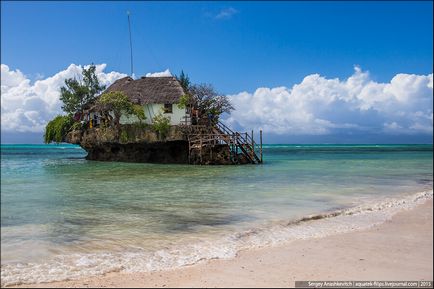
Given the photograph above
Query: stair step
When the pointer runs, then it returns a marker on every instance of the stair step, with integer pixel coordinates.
(221, 134)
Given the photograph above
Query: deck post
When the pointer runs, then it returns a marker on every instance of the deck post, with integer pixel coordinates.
(253, 146)
(201, 150)
(236, 143)
(189, 150)
(260, 139)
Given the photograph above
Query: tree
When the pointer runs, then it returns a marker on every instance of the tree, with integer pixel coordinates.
(207, 100)
(76, 94)
(184, 80)
(186, 99)
(202, 97)
(119, 104)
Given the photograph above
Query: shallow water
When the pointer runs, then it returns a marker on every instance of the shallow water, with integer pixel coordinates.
(63, 216)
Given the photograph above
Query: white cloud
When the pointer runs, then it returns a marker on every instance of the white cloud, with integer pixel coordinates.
(316, 106)
(159, 74)
(27, 107)
(319, 105)
(226, 13)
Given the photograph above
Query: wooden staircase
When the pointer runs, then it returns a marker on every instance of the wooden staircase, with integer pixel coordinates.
(241, 146)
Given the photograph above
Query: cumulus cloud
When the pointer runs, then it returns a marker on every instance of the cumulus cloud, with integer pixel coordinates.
(159, 74)
(319, 106)
(27, 106)
(315, 106)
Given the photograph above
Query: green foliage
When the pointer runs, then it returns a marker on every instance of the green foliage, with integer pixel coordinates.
(161, 124)
(139, 112)
(124, 136)
(57, 128)
(76, 94)
(117, 102)
(184, 80)
(77, 126)
(184, 101)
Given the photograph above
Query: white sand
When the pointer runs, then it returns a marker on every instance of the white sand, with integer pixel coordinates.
(400, 249)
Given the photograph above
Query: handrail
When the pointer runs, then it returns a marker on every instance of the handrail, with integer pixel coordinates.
(222, 134)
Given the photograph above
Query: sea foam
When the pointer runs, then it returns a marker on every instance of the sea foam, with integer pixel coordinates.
(74, 266)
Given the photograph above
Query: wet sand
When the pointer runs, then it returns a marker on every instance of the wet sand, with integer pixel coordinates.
(399, 249)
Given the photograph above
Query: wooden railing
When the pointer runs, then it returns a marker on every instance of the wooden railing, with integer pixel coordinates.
(244, 143)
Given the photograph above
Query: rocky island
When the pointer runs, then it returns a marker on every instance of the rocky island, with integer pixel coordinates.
(150, 119)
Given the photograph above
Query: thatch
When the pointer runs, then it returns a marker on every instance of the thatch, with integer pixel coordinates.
(149, 89)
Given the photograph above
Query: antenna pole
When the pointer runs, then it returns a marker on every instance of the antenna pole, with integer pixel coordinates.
(131, 44)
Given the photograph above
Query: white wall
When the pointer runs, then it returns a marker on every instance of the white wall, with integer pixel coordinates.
(151, 110)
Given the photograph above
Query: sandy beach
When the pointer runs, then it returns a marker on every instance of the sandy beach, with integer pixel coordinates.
(399, 249)
(211, 144)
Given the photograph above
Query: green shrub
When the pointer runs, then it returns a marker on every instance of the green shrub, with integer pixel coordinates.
(161, 124)
(77, 126)
(56, 129)
(124, 136)
(184, 101)
(117, 102)
(139, 112)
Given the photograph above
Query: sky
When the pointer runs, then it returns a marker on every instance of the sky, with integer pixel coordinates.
(304, 72)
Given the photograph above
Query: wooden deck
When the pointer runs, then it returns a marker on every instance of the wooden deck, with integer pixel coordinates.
(241, 145)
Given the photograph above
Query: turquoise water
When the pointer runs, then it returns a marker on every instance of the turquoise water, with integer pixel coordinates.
(59, 210)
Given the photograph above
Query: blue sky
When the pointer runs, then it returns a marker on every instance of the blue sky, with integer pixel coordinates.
(237, 46)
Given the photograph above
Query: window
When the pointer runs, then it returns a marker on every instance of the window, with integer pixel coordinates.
(168, 108)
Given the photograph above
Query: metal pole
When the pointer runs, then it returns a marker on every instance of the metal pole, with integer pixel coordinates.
(131, 44)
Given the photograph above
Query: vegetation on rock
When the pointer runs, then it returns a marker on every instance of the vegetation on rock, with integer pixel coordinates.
(79, 95)
(56, 129)
(161, 124)
(75, 95)
(117, 102)
(124, 136)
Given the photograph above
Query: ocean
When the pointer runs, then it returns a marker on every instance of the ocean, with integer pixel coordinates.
(63, 217)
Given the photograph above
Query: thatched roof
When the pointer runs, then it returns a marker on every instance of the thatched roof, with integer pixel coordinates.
(149, 89)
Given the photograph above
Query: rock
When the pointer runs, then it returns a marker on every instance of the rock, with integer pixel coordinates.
(175, 152)
(140, 143)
